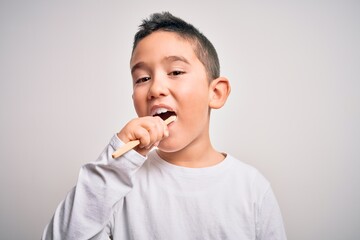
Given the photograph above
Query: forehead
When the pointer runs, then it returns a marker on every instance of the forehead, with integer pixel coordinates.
(161, 44)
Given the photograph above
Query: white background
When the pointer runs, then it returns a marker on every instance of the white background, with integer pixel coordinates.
(65, 89)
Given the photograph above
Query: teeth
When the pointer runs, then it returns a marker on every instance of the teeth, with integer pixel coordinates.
(159, 111)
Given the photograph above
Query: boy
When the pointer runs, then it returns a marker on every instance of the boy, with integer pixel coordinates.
(183, 188)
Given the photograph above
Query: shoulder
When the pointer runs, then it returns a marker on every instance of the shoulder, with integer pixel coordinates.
(244, 169)
(248, 176)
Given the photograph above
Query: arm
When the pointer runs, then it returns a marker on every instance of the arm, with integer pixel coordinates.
(87, 208)
(270, 225)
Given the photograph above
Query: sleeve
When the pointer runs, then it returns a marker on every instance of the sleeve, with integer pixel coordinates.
(269, 224)
(88, 207)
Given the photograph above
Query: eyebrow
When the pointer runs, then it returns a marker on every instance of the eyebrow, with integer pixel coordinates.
(137, 66)
(176, 58)
(166, 59)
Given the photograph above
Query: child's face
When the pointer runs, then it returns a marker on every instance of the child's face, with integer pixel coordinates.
(168, 75)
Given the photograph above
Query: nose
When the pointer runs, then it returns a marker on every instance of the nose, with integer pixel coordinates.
(158, 88)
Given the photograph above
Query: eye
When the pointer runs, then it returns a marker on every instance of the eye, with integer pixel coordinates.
(142, 80)
(176, 73)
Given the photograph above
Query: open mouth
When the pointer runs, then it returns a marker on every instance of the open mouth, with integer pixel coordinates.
(164, 113)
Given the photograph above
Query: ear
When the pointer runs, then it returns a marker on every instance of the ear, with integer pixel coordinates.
(219, 91)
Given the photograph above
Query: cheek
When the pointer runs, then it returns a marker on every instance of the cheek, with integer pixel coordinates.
(139, 105)
(195, 104)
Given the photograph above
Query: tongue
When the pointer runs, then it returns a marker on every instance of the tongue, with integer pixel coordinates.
(165, 115)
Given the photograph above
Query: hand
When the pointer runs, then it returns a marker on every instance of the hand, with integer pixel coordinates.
(148, 130)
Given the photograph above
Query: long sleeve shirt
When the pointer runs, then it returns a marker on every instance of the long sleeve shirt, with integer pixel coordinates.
(136, 197)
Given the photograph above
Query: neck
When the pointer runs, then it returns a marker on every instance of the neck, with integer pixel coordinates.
(197, 154)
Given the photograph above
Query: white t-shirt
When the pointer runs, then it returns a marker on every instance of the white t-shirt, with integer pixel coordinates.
(134, 197)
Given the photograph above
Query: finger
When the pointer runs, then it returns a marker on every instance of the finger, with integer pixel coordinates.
(165, 130)
(156, 129)
(143, 136)
(152, 133)
(161, 128)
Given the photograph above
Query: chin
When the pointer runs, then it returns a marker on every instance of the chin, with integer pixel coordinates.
(168, 147)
